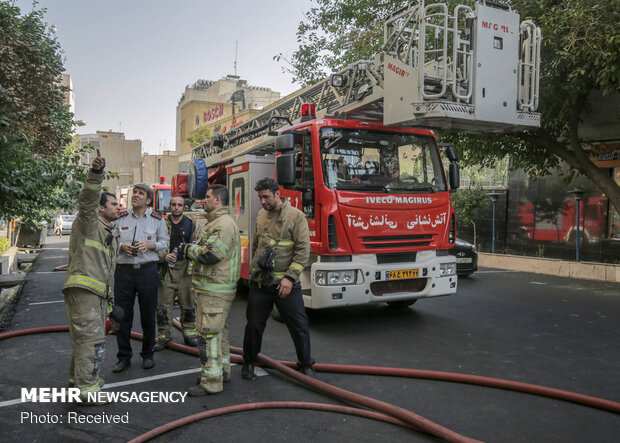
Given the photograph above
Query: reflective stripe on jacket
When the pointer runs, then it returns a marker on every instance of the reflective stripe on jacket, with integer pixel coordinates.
(285, 230)
(219, 238)
(94, 243)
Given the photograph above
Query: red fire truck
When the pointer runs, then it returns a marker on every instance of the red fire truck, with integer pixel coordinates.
(352, 153)
(561, 226)
(162, 192)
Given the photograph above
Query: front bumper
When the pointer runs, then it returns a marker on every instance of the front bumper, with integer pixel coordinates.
(372, 286)
(467, 268)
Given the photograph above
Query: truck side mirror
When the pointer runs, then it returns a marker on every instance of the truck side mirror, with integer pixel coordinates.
(455, 177)
(285, 168)
(451, 152)
(284, 142)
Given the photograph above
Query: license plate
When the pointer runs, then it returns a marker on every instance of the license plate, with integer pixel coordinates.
(403, 273)
(463, 260)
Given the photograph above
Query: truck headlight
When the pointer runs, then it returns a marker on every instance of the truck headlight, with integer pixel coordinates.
(447, 269)
(335, 278)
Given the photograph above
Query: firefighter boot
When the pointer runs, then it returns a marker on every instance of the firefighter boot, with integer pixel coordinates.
(161, 344)
(190, 340)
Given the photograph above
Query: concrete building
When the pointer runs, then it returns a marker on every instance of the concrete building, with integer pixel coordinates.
(122, 156)
(156, 166)
(125, 157)
(66, 82)
(220, 104)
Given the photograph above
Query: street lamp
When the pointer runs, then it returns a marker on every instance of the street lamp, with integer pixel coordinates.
(494, 195)
(578, 194)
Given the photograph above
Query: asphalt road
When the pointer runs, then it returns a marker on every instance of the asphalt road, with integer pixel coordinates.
(550, 331)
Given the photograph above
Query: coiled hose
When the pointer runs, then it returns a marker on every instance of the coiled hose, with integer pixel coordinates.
(391, 413)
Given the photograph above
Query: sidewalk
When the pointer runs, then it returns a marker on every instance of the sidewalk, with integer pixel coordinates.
(42, 288)
(606, 272)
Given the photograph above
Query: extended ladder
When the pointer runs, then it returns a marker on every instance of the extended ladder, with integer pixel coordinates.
(475, 70)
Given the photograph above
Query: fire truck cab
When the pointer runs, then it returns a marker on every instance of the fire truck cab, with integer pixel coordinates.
(378, 208)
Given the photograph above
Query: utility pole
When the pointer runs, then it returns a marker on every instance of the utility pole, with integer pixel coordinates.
(236, 47)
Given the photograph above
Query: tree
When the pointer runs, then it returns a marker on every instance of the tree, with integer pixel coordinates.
(466, 201)
(32, 105)
(199, 136)
(39, 185)
(580, 57)
(39, 170)
(335, 34)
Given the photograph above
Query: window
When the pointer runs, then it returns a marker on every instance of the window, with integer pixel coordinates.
(163, 200)
(304, 172)
(380, 161)
(237, 197)
(304, 177)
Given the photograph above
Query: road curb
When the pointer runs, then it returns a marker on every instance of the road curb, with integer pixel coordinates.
(8, 299)
(606, 272)
(9, 296)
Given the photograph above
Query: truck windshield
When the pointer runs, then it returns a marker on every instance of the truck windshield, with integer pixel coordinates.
(163, 200)
(391, 162)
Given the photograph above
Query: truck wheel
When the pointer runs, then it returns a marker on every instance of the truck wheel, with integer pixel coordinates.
(400, 304)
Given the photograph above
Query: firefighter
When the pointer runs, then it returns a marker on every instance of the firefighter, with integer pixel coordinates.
(280, 250)
(143, 235)
(214, 283)
(93, 249)
(181, 229)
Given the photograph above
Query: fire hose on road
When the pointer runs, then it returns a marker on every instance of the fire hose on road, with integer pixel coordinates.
(389, 413)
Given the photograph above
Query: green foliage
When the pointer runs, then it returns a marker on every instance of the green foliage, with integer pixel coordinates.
(36, 186)
(40, 171)
(335, 34)
(580, 56)
(466, 201)
(200, 136)
(4, 245)
(32, 104)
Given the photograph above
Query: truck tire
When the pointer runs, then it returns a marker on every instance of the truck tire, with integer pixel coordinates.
(400, 304)
(197, 182)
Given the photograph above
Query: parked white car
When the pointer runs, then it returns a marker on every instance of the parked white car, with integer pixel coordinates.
(67, 222)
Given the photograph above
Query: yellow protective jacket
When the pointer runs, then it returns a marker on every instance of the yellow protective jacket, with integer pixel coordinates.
(217, 255)
(284, 230)
(94, 243)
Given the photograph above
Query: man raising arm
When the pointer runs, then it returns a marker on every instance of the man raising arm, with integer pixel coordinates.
(93, 249)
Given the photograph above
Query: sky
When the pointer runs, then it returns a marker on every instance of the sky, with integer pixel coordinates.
(130, 60)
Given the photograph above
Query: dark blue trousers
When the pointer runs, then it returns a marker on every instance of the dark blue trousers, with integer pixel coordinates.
(293, 312)
(128, 283)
